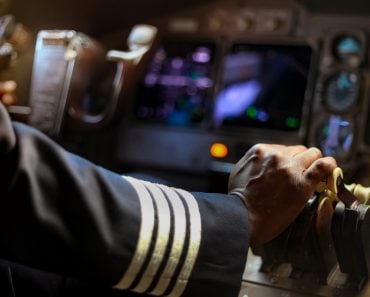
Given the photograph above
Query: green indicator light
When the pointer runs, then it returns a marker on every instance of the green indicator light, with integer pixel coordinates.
(291, 122)
(251, 112)
(325, 131)
(195, 74)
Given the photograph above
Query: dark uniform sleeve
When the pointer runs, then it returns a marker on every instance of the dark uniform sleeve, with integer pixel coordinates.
(63, 214)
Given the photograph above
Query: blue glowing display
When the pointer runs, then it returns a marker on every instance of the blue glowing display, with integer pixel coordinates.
(263, 86)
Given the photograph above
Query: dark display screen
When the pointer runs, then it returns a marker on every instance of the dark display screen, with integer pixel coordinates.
(263, 86)
(176, 87)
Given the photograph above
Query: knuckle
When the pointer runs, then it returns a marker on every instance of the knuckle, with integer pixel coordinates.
(320, 165)
(312, 175)
(275, 158)
(326, 165)
(318, 171)
(258, 149)
(301, 147)
(285, 173)
(330, 162)
(315, 151)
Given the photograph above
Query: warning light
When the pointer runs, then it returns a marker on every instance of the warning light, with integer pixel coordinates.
(219, 150)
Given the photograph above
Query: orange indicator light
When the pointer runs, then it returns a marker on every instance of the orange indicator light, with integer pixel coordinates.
(219, 150)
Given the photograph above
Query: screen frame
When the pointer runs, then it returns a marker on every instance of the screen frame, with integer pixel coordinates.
(222, 47)
(206, 122)
(264, 134)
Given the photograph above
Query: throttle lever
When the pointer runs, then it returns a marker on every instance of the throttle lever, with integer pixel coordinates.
(344, 195)
(336, 190)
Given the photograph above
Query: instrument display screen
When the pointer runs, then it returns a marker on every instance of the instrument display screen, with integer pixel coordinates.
(176, 87)
(263, 86)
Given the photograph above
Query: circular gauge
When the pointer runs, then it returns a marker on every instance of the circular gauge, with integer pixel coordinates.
(341, 91)
(348, 49)
(335, 136)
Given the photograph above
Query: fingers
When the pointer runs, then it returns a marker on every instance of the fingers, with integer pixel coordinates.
(307, 157)
(320, 169)
(263, 149)
(316, 167)
(294, 150)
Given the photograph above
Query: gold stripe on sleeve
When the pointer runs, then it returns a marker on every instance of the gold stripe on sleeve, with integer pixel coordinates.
(164, 225)
(178, 241)
(194, 243)
(145, 234)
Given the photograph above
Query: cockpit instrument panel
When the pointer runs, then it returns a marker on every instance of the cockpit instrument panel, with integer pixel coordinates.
(243, 73)
(263, 86)
(176, 89)
(348, 49)
(342, 91)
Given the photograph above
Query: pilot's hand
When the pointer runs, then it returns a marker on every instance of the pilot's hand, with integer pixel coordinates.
(275, 182)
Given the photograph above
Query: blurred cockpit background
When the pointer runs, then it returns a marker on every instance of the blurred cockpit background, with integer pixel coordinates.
(177, 91)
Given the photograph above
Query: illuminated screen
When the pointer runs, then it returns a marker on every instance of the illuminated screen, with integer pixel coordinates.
(263, 86)
(176, 87)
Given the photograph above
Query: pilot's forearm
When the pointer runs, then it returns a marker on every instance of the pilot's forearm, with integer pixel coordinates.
(63, 214)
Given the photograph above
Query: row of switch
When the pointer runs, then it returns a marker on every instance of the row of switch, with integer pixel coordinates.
(277, 21)
(260, 21)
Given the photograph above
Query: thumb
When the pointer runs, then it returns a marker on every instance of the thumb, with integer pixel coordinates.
(7, 135)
